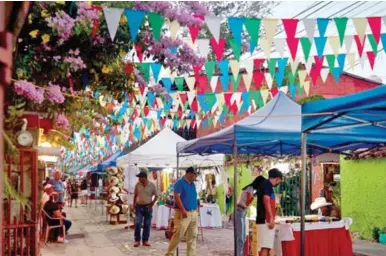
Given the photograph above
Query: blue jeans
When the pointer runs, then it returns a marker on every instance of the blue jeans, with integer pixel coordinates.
(240, 229)
(142, 215)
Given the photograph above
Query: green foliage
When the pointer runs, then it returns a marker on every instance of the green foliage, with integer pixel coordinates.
(310, 99)
(10, 191)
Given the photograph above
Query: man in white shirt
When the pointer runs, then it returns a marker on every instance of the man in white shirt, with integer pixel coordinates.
(48, 190)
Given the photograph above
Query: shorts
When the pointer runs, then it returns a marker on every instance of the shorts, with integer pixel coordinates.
(266, 236)
(84, 192)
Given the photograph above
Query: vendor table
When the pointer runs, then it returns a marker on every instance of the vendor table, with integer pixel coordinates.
(210, 216)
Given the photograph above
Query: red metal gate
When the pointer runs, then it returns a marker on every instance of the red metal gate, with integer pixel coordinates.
(20, 224)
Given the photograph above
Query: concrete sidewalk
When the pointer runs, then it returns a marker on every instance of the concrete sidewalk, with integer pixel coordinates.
(366, 248)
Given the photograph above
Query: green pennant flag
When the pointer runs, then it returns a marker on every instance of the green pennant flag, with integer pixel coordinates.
(149, 123)
(373, 43)
(253, 27)
(235, 82)
(145, 70)
(179, 83)
(300, 89)
(306, 46)
(331, 61)
(235, 47)
(341, 24)
(256, 96)
(210, 121)
(210, 99)
(209, 68)
(272, 66)
(292, 77)
(156, 21)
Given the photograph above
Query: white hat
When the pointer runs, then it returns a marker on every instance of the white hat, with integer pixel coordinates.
(114, 190)
(319, 202)
(112, 170)
(113, 197)
(114, 181)
(114, 209)
(47, 186)
(124, 208)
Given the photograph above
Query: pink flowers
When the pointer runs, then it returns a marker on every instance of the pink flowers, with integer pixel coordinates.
(62, 121)
(62, 23)
(86, 13)
(76, 63)
(29, 91)
(54, 94)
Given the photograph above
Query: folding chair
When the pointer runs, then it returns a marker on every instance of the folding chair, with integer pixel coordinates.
(48, 228)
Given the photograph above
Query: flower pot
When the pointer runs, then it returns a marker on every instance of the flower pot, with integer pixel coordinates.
(382, 238)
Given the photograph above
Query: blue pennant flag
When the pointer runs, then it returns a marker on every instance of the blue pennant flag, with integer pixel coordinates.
(151, 98)
(202, 101)
(134, 21)
(221, 118)
(159, 112)
(322, 25)
(236, 27)
(282, 64)
(156, 68)
(224, 77)
(341, 60)
(320, 43)
(246, 102)
(383, 39)
(336, 72)
(173, 50)
(292, 89)
(279, 78)
(252, 46)
(167, 82)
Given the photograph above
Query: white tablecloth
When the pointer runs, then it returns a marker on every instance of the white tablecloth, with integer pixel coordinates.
(210, 215)
(162, 216)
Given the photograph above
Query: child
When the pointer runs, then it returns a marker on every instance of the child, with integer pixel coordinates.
(74, 193)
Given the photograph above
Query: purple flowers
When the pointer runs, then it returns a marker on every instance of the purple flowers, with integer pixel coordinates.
(63, 24)
(76, 63)
(54, 94)
(86, 13)
(29, 91)
(140, 80)
(62, 121)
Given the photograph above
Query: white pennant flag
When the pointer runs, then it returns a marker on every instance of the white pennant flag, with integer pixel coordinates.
(249, 65)
(214, 24)
(213, 83)
(362, 61)
(335, 44)
(235, 68)
(268, 79)
(295, 65)
(174, 27)
(266, 45)
(247, 81)
(302, 76)
(191, 96)
(264, 95)
(236, 97)
(270, 28)
(203, 47)
(309, 65)
(324, 74)
(190, 81)
(309, 25)
(306, 87)
(351, 60)
(348, 42)
(112, 16)
(361, 27)
(284, 89)
(280, 46)
(220, 100)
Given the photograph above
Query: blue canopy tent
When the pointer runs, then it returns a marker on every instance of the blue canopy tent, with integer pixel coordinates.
(111, 161)
(346, 123)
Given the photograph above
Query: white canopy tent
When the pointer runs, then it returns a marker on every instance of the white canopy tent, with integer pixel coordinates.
(161, 151)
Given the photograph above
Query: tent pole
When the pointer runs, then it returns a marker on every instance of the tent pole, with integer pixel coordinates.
(235, 187)
(303, 193)
(178, 175)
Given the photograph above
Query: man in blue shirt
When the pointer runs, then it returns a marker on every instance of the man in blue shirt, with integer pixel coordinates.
(185, 214)
(58, 186)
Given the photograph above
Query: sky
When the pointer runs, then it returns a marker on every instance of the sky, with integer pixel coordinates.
(327, 9)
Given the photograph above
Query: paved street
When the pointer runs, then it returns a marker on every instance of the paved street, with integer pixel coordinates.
(91, 235)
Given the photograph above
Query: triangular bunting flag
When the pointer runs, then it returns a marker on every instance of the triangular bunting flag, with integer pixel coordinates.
(371, 57)
(271, 66)
(235, 67)
(268, 79)
(235, 47)
(292, 89)
(360, 25)
(145, 70)
(214, 24)
(331, 61)
(174, 27)
(375, 25)
(194, 29)
(306, 46)
(282, 64)
(284, 89)
(266, 45)
(293, 44)
(203, 47)
(274, 91)
(253, 27)
(320, 43)
(190, 81)
(209, 68)
(134, 21)
(341, 24)
(224, 77)
(256, 97)
(280, 46)
(218, 48)
(291, 77)
(348, 42)
(324, 74)
(236, 27)
(290, 26)
(309, 65)
(334, 43)
(309, 25)
(322, 26)
(235, 82)
(383, 39)
(248, 64)
(270, 29)
(112, 17)
(351, 60)
(167, 82)
(247, 81)
(156, 68)
(179, 81)
(359, 44)
(295, 65)
(306, 87)
(373, 43)
(264, 95)
(302, 76)
(156, 22)
(258, 78)
(213, 83)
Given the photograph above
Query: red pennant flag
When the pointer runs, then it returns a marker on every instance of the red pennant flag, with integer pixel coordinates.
(163, 120)
(258, 78)
(194, 29)
(274, 91)
(316, 69)
(129, 68)
(227, 99)
(258, 63)
(193, 123)
(290, 26)
(184, 98)
(141, 88)
(197, 68)
(180, 113)
(360, 46)
(202, 84)
(218, 48)
(375, 25)
(194, 105)
(234, 108)
(293, 44)
(146, 110)
(138, 49)
(371, 57)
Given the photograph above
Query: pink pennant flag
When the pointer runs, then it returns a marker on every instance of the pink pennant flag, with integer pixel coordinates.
(375, 25)
(316, 69)
(293, 44)
(360, 45)
(258, 63)
(258, 78)
(290, 26)
(274, 91)
(138, 49)
(194, 105)
(194, 29)
(371, 57)
(202, 84)
(218, 48)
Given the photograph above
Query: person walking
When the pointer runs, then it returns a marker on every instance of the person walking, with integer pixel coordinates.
(266, 211)
(74, 190)
(145, 196)
(185, 214)
(84, 193)
(246, 198)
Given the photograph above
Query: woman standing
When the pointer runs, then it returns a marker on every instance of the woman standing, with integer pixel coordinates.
(246, 198)
(83, 188)
(74, 190)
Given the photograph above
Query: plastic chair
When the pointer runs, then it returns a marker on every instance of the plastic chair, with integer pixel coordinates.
(48, 228)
